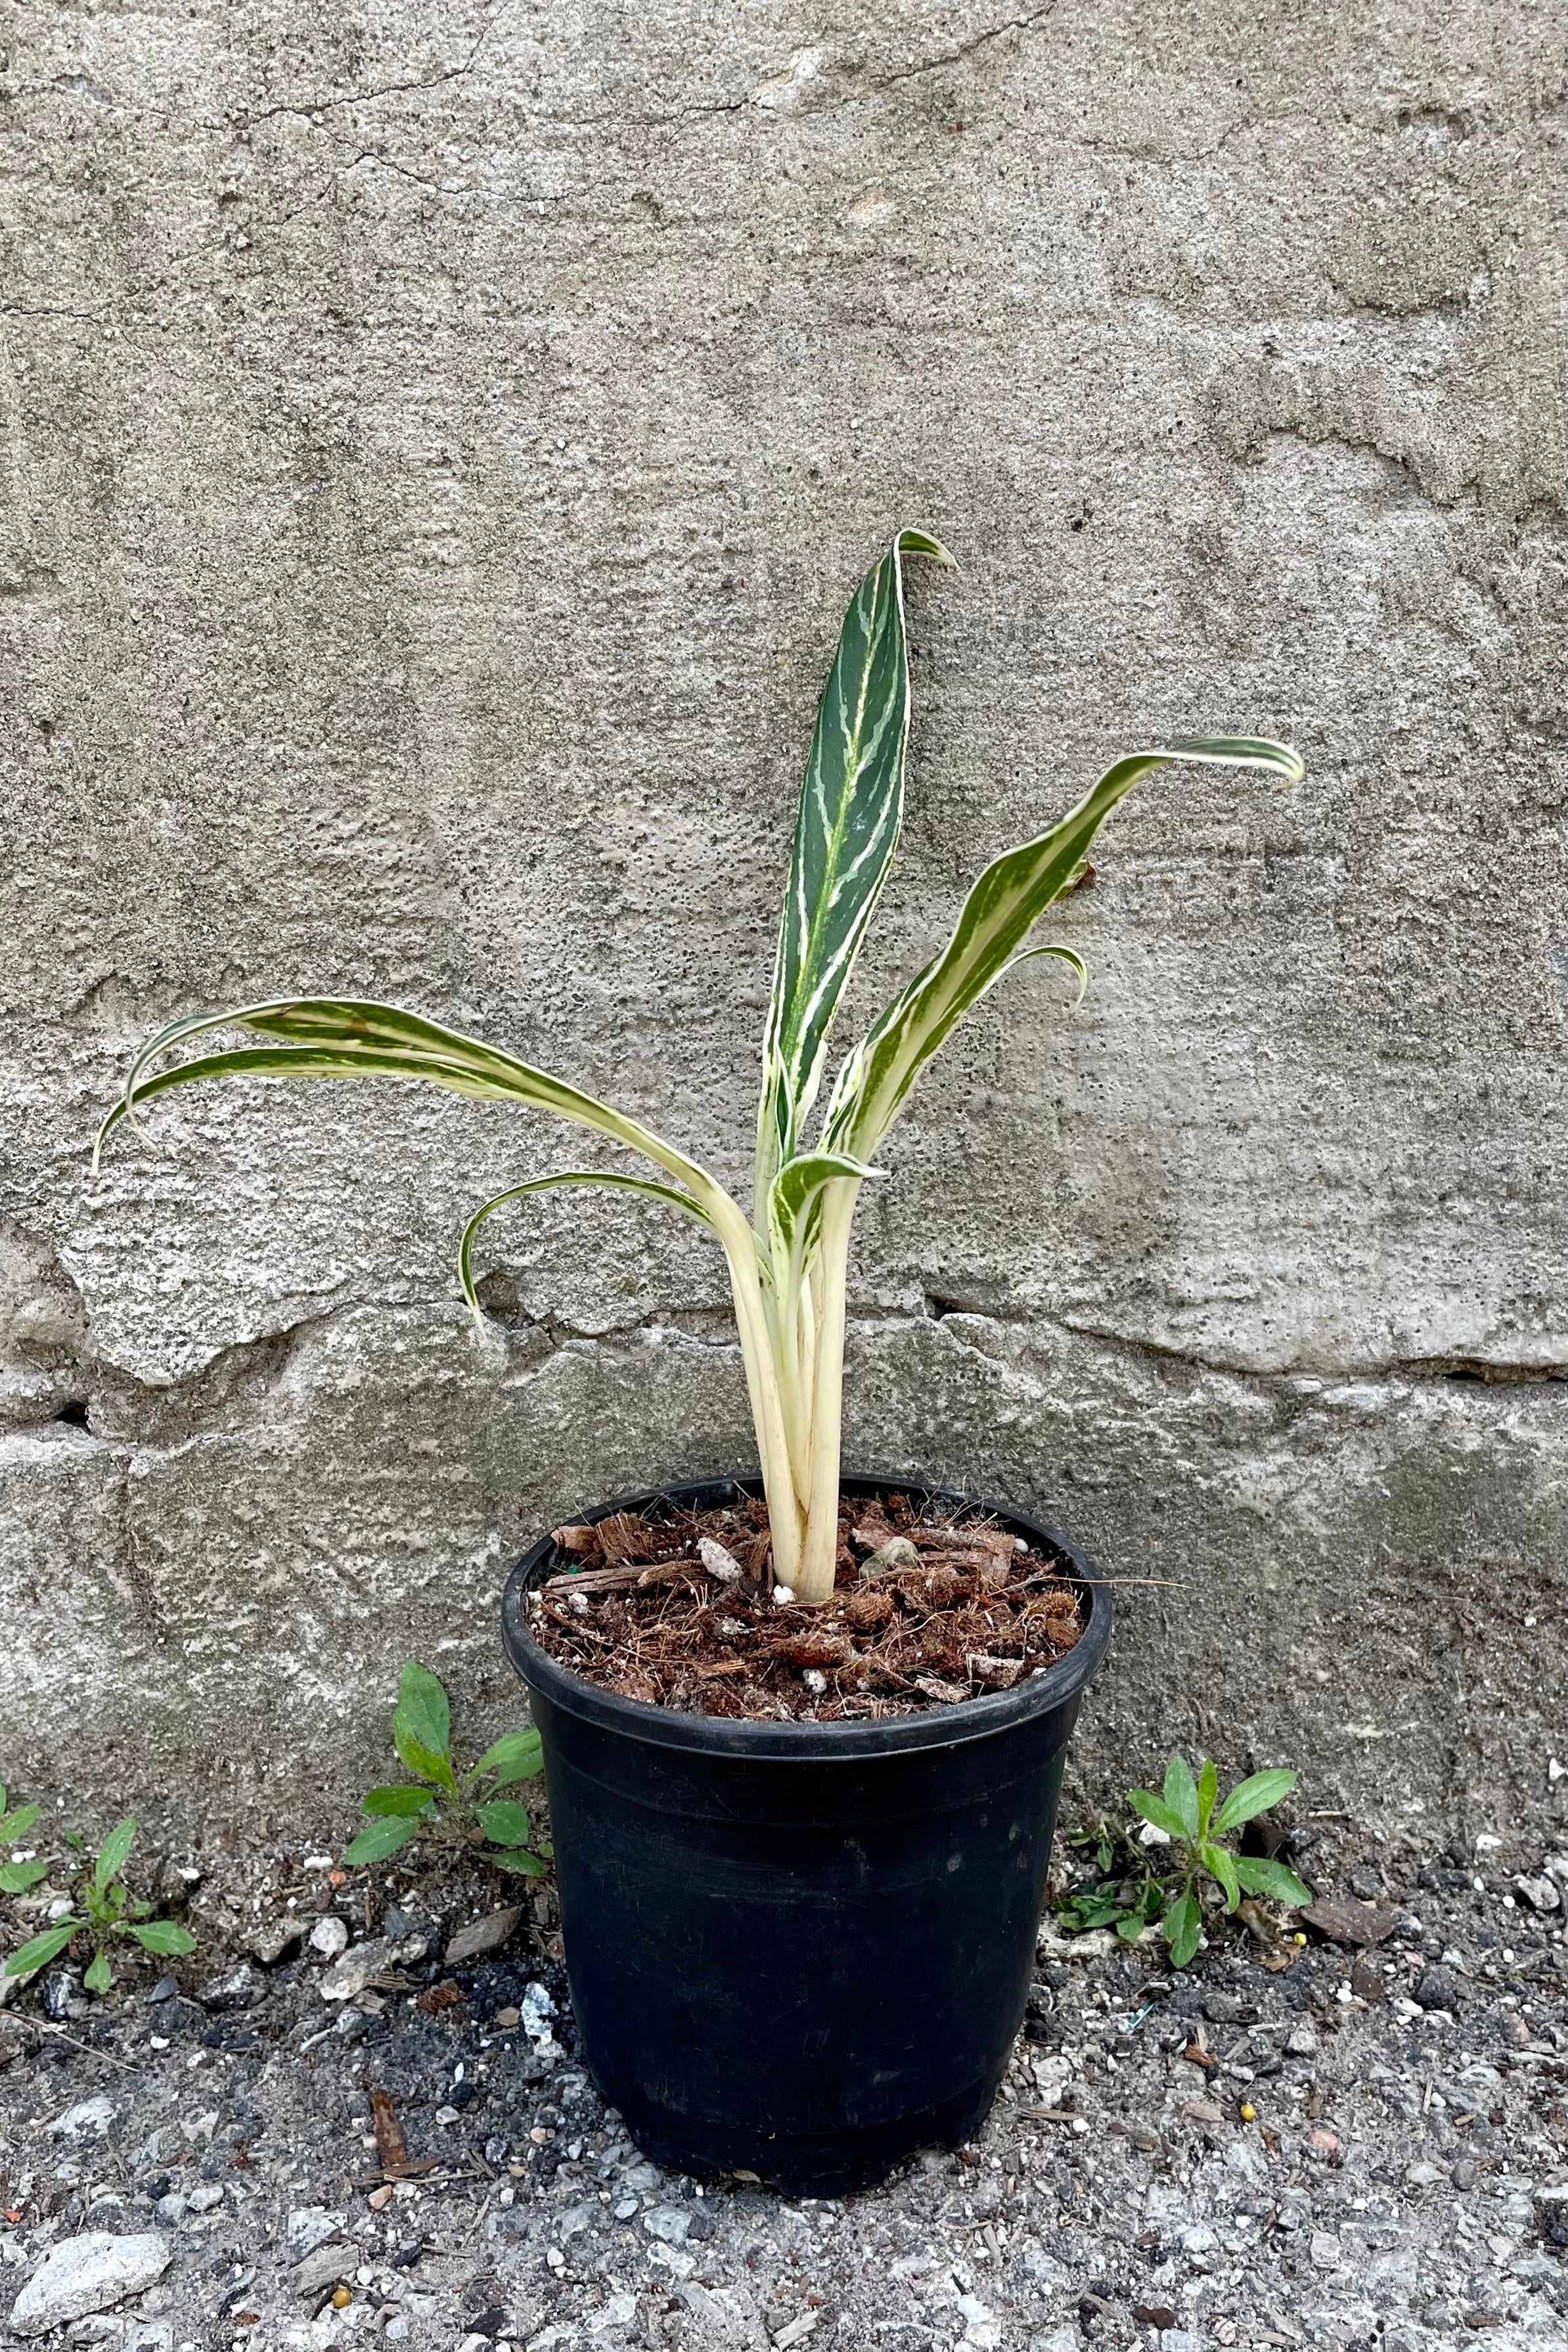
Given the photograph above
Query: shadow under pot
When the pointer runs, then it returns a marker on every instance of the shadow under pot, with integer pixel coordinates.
(802, 1949)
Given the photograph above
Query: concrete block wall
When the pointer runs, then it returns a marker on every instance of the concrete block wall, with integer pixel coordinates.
(439, 446)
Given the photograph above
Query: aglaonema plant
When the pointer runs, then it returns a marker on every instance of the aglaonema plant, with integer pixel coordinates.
(788, 1262)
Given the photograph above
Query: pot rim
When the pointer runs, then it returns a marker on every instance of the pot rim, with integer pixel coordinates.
(661, 1727)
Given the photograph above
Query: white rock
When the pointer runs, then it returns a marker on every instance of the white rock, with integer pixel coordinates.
(718, 1562)
(671, 2222)
(329, 1935)
(308, 2227)
(90, 2116)
(89, 2273)
(353, 1972)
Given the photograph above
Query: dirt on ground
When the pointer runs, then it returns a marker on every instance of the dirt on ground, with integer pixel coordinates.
(682, 1611)
(360, 2114)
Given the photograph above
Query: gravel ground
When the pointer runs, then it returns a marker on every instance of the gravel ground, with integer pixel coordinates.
(1354, 2150)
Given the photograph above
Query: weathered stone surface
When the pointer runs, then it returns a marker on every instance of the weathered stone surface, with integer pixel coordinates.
(88, 2273)
(440, 449)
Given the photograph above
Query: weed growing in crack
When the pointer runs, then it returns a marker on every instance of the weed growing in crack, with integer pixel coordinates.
(1176, 1865)
(104, 1909)
(440, 1800)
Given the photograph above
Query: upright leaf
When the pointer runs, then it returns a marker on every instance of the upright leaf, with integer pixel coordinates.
(421, 1725)
(851, 805)
(15, 1826)
(1004, 904)
(1156, 1810)
(1221, 1864)
(1183, 1930)
(113, 1855)
(1181, 1794)
(1207, 1790)
(99, 1976)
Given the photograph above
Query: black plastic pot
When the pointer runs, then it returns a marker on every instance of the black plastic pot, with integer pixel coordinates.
(801, 1950)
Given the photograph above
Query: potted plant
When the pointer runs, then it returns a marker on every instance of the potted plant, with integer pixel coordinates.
(796, 1948)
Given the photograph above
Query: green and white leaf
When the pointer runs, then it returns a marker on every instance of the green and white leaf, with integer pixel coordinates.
(1001, 910)
(358, 1038)
(852, 806)
(665, 1193)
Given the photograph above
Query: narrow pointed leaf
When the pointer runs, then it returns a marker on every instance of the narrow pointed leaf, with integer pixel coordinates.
(1273, 1880)
(113, 1855)
(1053, 948)
(98, 1976)
(382, 1840)
(1001, 910)
(357, 1037)
(43, 1948)
(666, 1193)
(851, 805)
(1221, 1864)
(1181, 1794)
(421, 1726)
(1156, 1810)
(1251, 1797)
(1207, 1790)
(15, 1826)
(402, 1799)
(515, 1756)
(165, 1937)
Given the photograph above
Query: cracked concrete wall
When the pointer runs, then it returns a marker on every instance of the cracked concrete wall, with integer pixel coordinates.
(439, 445)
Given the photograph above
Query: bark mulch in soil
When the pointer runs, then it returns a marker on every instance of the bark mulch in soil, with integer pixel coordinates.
(680, 1611)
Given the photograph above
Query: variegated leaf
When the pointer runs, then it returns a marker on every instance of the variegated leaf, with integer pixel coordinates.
(358, 1038)
(852, 804)
(650, 1190)
(1001, 910)
(794, 1201)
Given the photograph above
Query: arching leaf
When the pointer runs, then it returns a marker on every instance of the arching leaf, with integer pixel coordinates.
(1001, 910)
